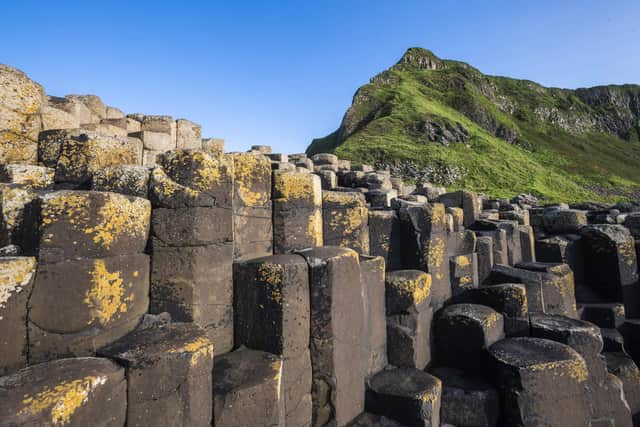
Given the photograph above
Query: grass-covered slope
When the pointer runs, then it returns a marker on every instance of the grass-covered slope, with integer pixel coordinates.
(444, 121)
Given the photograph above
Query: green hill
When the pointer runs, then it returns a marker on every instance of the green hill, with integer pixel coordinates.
(443, 121)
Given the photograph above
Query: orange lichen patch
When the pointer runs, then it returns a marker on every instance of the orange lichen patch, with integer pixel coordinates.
(120, 216)
(272, 275)
(435, 256)
(438, 213)
(15, 274)
(462, 261)
(297, 186)
(106, 298)
(74, 206)
(248, 167)
(199, 349)
(418, 289)
(63, 400)
(491, 319)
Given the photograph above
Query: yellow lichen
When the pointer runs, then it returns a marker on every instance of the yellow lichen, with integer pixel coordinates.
(120, 216)
(272, 275)
(462, 261)
(248, 169)
(199, 349)
(106, 297)
(63, 400)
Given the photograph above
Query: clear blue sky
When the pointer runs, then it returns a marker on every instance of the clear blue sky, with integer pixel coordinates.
(284, 72)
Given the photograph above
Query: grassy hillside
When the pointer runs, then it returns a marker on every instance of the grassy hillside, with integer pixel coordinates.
(444, 121)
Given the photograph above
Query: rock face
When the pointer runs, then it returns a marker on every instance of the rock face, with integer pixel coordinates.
(191, 287)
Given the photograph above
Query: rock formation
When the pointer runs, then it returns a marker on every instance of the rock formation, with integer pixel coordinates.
(149, 278)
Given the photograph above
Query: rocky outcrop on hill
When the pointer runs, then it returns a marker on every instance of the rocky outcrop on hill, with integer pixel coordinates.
(443, 113)
(265, 289)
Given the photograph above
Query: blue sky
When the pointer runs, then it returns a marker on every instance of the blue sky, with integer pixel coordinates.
(282, 73)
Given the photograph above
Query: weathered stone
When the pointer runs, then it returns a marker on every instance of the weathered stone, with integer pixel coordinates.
(16, 202)
(466, 200)
(527, 243)
(21, 101)
(409, 396)
(75, 106)
(70, 392)
(409, 338)
(385, 237)
(192, 226)
(168, 371)
(630, 330)
(195, 284)
(297, 215)
(55, 118)
(271, 313)
(93, 103)
(457, 215)
(463, 271)
(467, 400)
(253, 226)
(462, 333)
(337, 342)
(83, 154)
(605, 315)
(325, 159)
(559, 221)
(603, 392)
(155, 141)
(91, 224)
(424, 246)
(262, 149)
(106, 129)
(188, 134)
(123, 179)
(31, 176)
(213, 146)
(372, 278)
(16, 283)
(550, 287)
(566, 249)
(247, 389)
(484, 245)
(97, 301)
(509, 299)
(367, 419)
(380, 198)
(189, 178)
(328, 178)
(541, 382)
(345, 220)
(611, 268)
(623, 367)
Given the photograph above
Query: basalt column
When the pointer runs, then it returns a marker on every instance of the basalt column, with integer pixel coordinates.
(192, 242)
(297, 211)
(338, 358)
(252, 222)
(92, 280)
(271, 309)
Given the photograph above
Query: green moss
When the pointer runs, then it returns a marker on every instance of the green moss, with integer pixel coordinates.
(515, 143)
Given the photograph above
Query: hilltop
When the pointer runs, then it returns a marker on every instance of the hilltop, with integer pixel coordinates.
(444, 121)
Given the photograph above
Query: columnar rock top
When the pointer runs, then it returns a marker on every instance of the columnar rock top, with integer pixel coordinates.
(149, 278)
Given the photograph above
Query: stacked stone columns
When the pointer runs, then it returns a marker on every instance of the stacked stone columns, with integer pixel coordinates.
(297, 211)
(271, 309)
(91, 268)
(252, 211)
(192, 242)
